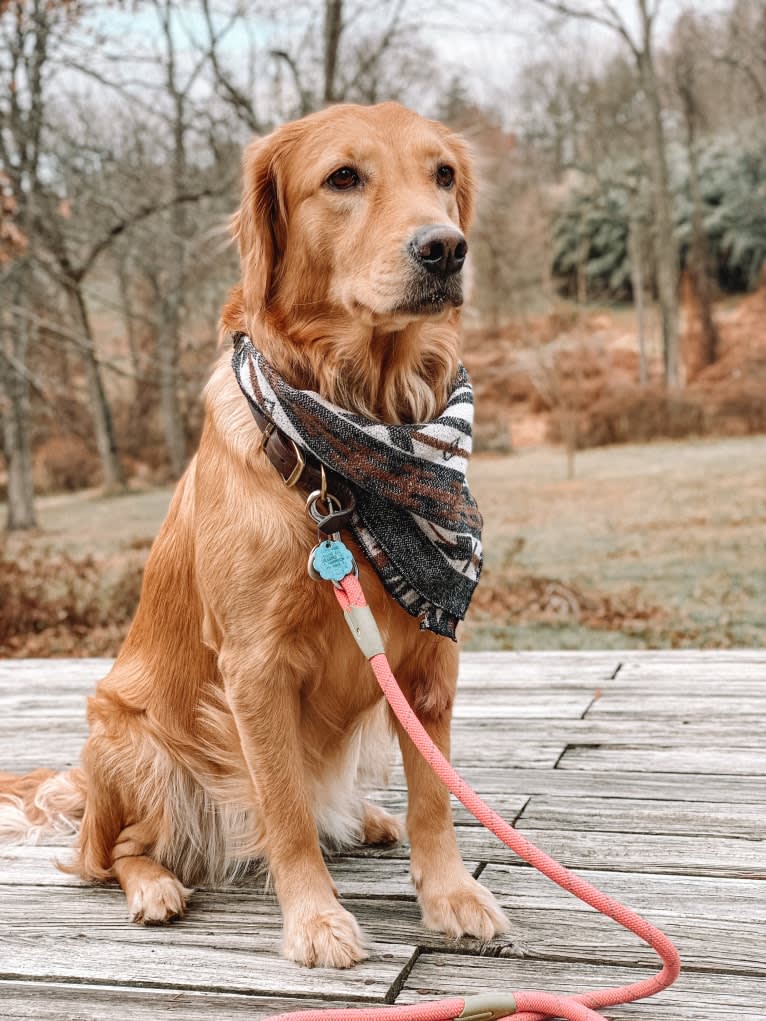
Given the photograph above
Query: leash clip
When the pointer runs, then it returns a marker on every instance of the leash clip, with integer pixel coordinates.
(327, 511)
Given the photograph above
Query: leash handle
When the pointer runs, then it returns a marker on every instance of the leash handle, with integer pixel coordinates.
(523, 1005)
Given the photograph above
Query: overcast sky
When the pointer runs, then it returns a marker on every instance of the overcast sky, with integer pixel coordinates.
(485, 42)
(511, 32)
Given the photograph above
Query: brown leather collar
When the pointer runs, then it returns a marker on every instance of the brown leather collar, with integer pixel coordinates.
(300, 469)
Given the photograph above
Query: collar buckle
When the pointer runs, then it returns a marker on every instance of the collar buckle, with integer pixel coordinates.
(267, 431)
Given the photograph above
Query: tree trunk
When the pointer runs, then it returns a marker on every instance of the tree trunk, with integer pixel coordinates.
(106, 442)
(635, 248)
(14, 395)
(666, 249)
(333, 28)
(571, 434)
(171, 308)
(128, 317)
(170, 406)
(699, 256)
(582, 272)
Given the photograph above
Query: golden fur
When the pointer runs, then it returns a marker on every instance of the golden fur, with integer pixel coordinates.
(240, 715)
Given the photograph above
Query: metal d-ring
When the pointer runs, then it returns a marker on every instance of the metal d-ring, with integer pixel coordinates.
(332, 503)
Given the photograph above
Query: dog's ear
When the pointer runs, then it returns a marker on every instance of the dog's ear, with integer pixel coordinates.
(257, 225)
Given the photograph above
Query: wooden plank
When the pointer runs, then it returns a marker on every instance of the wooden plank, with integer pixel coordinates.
(510, 669)
(23, 757)
(744, 655)
(475, 703)
(749, 762)
(509, 806)
(69, 673)
(227, 943)
(711, 669)
(653, 667)
(714, 922)
(721, 733)
(40, 1001)
(634, 852)
(506, 703)
(490, 734)
(700, 704)
(354, 876)
(58, 745)
(520, 886)
(474, 842)
(696, 995)
(635, 815)
(522, 670)
(200, 965)
(494, 781)
(687, 684)
(720, 945)
(479, 703)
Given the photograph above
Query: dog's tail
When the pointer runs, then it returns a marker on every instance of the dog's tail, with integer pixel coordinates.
(39, 805)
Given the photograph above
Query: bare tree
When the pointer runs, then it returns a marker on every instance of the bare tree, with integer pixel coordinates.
(333, 29)
(636, 254)
(368, 53)
(14, 405)
(688, 54)
(239, 98)
(740, 44)
(641, 45)
(173, 296)
(25, 34)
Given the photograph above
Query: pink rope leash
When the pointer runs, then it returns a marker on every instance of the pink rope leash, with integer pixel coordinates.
(530, 1005)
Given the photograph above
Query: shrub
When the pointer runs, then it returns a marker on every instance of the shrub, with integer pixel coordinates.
(65, 463)
(634, 415)
(739, 408)
(53, 603)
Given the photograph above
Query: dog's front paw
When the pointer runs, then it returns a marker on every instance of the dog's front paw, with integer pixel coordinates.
(326, 939)
(462, 909)
(157, 900)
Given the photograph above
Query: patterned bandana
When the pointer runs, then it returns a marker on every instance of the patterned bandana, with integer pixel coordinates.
(415, 518)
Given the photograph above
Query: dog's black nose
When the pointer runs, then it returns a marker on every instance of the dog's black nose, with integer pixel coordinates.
(440, 249)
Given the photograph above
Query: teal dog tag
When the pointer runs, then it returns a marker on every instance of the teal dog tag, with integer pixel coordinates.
(333, 560)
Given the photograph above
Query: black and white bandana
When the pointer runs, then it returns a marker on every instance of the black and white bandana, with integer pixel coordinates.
(415, 517)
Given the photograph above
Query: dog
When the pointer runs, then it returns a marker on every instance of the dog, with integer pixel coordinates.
(240, 715)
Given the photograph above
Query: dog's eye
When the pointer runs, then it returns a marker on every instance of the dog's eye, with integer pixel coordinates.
(343, 179)
(445, 176)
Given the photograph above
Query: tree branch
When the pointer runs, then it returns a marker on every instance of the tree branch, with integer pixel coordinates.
(242, 105)
(380, 49)
(745, 68)
(610, 20)
(305, 97)
(78, 273)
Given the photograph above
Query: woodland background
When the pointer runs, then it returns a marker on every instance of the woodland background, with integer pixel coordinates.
(616, 335)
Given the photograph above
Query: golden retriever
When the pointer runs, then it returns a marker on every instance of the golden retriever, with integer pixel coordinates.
(240, 714)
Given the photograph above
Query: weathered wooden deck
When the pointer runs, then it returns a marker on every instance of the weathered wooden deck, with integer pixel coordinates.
(647, 771)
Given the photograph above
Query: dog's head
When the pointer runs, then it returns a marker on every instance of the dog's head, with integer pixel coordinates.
(362, 210)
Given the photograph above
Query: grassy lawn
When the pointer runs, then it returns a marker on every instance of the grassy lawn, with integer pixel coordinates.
(656, 545)
(677, 526)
